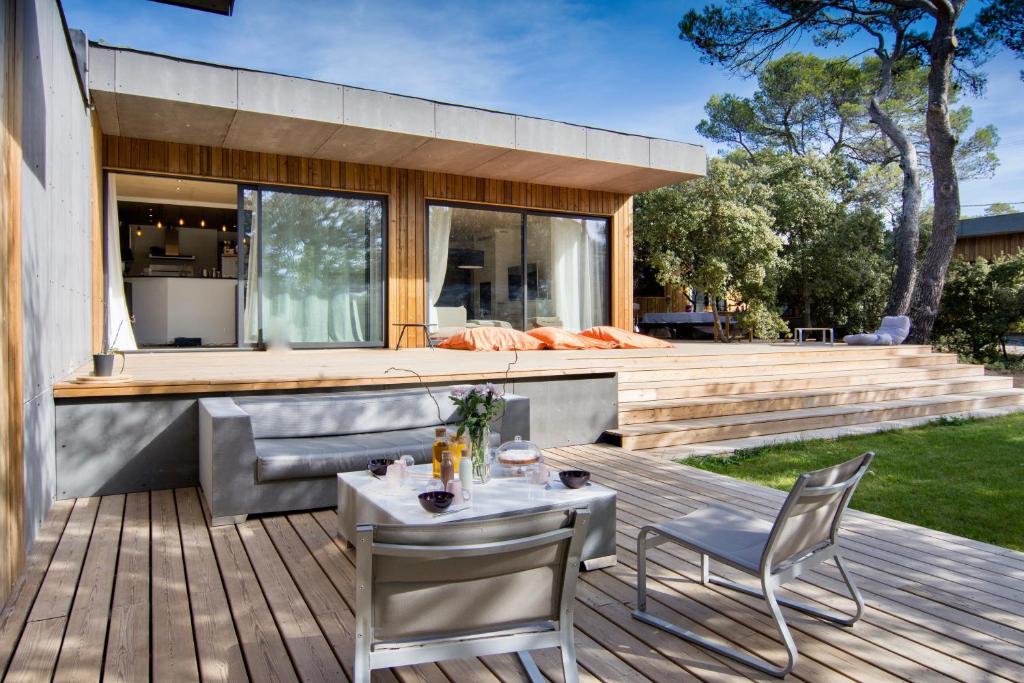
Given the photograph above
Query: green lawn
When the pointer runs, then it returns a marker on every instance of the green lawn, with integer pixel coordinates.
(961, 476)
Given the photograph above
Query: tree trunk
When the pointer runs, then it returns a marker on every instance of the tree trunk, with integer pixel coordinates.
(907, 234)
(946, 191)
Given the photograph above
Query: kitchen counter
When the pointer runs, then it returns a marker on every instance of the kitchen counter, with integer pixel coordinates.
(166, 307)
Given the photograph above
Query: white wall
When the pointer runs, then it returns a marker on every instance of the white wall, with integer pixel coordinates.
(56, 237)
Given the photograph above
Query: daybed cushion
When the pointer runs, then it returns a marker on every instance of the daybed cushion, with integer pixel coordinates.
(564, 340)
(625, 340)
(491, 339)
(893, 330)
(325, 456)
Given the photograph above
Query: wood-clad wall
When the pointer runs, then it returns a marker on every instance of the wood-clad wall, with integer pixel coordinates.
(990, 246)
(407, 191)
(12, 484)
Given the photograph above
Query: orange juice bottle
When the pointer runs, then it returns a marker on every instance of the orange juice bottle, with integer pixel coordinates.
(457, 445)
(440, 446)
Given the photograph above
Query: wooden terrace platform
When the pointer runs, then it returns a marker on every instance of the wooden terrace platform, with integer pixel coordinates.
(136, 587)
(215, 371)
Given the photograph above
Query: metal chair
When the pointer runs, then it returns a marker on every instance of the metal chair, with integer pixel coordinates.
(803, 535)
(427, 593)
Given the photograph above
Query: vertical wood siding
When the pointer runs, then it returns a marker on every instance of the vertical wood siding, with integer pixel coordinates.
(407, 192)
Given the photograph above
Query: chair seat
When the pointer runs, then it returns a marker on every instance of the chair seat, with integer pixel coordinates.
(727, 534)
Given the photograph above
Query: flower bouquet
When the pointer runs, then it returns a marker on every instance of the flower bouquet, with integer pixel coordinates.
(478, 406)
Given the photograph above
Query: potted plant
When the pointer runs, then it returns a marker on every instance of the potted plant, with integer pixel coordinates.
(103, 363)
(478, 406)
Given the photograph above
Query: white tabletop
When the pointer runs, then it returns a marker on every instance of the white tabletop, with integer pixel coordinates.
(365, 499)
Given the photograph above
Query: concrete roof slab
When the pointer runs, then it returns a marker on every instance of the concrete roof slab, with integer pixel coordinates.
(683, 157)
(477, 126)
(276, 134)
(106, 109)
(550, 137)
(290, 97)
(177, 121)
(618, 148)
(160, 78)
(366, 146)
(448, 156)
(383, 111)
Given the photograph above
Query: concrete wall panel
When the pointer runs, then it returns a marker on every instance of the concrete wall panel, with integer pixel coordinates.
(383, 111)
(604, 145)
(550, 137)
(56, 238)
(475, 125)
(176, 80)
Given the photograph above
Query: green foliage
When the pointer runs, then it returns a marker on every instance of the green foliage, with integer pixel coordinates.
(981, 304)
(714, 235)
(999, 209)
(965, 477)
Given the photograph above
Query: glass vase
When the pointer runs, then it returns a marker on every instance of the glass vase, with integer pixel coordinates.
(479, 448)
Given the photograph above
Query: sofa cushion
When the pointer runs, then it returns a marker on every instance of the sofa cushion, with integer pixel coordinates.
(325, 456)
(625, 340)
(491, 339)
(563, 340)
(347, 413)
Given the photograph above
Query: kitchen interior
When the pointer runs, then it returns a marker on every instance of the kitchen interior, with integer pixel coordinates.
(180, 260)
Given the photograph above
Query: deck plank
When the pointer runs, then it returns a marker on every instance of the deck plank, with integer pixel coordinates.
(313, 658)
(262, 646)
(127, 650)
(81, 653)
(220, 656)
(15, 612)
(174, 648)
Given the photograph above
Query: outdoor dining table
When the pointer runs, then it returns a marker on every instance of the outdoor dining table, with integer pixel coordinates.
(366, 499)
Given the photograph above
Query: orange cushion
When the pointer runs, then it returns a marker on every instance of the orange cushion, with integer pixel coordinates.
(564, 340)
(624, 339)
(491, 339)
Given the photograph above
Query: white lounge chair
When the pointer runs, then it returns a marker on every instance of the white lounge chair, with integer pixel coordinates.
(803, 535)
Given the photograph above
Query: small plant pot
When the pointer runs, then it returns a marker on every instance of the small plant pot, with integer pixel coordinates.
(103, 364)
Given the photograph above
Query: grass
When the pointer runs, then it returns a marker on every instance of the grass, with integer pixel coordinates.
(965, 477)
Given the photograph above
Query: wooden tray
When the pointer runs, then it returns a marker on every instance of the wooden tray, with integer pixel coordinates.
(112, 379)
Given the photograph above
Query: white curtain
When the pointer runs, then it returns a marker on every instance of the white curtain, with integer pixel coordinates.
(252, 280)
(439, 233)
(567, 283)
(119, 332)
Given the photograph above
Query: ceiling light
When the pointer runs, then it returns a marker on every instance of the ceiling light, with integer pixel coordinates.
(138, 232)
(181, 221)
(471, 260)
(202, 223)
(159, 225)
(223, 228)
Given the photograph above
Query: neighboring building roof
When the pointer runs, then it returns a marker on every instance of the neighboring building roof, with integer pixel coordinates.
(146, 95)
(991, 225)
(224, 7)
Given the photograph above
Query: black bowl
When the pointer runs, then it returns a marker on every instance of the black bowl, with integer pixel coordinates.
(574, 479)
(379, 466)
(436, 501)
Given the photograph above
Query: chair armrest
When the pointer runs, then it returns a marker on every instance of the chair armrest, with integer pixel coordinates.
(227, 456)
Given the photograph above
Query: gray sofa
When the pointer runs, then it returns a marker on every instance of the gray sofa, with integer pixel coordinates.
(279, 453)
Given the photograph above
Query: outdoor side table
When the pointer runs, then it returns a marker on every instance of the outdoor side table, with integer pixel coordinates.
(405, 326)
(827, 333)
(365, 499)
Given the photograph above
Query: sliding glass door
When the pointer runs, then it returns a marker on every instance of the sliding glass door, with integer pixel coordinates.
(319, 269)
(515, 269)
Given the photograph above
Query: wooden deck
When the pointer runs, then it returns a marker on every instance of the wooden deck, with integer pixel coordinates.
(206, 371)
(137, 587)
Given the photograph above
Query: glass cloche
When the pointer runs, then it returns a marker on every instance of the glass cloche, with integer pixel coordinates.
(516, 456)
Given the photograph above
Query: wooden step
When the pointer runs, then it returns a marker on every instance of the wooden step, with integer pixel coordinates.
(677, 432)
(741, 404)
(717, 354)
(727, 368)
(756, 383)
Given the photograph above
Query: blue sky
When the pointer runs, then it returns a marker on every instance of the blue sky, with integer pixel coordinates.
(617, 65)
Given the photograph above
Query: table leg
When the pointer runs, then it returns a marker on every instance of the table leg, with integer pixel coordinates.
(401, 334)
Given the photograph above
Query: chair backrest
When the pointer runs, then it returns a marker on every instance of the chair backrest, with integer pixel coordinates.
(809, 519)
(441, 580)
(451, 316)
(896, 326)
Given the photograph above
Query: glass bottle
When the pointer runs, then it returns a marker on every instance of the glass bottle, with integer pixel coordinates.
(447, 468)
(440, 446)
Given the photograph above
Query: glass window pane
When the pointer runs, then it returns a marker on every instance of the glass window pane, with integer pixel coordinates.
(322, 279)
(475, 268)
(567, 259)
